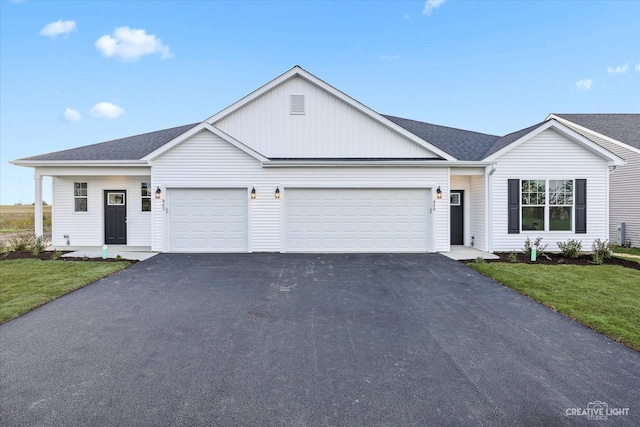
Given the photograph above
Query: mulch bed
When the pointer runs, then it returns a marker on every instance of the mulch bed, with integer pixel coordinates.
(557, 258)
(49, 255)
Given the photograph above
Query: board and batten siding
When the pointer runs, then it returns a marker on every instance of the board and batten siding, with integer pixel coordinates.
(624, 189)
(207, 161)
(329, 127)
(532, 160)
(87, 228)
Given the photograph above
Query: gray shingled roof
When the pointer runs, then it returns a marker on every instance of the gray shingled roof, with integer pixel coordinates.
(508, 139)
(461, 144)
(131, 148)
(622, 127)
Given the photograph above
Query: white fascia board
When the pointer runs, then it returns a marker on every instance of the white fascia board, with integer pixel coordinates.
(594, 133)
(203, 126)
(371, 163)
(611, 158)
(298, 71)
(79, 163)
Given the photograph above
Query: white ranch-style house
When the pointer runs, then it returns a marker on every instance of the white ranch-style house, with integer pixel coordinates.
(299, 166)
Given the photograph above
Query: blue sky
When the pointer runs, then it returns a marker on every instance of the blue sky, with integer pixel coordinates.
(74, 73)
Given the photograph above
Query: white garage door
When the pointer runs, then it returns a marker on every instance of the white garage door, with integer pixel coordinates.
(207, 220)
(350, 220)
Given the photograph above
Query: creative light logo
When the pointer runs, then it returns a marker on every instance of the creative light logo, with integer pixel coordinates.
(596, 411)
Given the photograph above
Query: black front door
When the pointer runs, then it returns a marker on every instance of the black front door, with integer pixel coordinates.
(457, 217)
(115, 217)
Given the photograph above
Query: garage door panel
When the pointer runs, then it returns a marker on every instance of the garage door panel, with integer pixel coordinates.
(357, 220)
(208, 220)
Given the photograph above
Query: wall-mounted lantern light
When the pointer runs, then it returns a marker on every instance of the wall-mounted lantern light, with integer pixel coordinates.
(253, 192)
(277, 192)
(158, 193)
(438, 193)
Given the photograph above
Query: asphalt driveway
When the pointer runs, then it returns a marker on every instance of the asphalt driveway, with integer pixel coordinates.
(307, 340)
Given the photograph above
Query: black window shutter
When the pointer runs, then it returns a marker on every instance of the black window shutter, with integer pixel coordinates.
(581, 206)
(514, 206)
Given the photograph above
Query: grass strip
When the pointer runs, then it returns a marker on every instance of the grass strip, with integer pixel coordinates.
(604, 297)
(26, 284)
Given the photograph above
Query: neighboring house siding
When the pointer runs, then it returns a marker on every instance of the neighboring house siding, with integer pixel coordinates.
(532, 160)
(206, 161)
(87, 228)
(329, 127)
(624, 194)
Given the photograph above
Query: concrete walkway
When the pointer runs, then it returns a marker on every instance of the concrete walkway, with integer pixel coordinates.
(460, 253)
(139, 253)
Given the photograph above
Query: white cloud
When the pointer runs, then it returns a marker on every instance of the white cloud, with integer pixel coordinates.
(130, 44)
(106, 110)
(58, 27)
(584, 84)
(431, 5)
(71, 115)
(386, 58)
(618, 70)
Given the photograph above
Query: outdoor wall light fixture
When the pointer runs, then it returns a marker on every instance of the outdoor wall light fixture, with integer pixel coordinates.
(158, 193)
(277, 192)
(438, 193)
(253, 192)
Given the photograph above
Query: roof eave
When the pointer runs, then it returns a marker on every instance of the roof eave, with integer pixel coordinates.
(373, 163)
(80, 163)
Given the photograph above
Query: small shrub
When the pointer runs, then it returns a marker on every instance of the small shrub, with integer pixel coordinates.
(513, 256)
(627, 243)
(4, 248)
(85, 258)
(118, 258)
(561, 261)
(21, 243)
(56, 255)
(600, 251)
(571, 249)
(39, 245)
(480, 260)
(537, 244)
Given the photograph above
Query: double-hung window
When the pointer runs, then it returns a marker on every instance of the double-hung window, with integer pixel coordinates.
(145, 194)
(80, 196)
(547, 205)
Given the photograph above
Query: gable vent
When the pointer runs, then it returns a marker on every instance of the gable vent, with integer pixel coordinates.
(297, 104)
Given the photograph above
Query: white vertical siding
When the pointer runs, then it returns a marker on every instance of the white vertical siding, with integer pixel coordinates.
(328, 128)
(206, 161)
(87, 228)
(549, 155)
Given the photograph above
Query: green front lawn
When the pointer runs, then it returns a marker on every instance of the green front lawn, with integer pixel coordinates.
(604, 297)
(628, 251)
(29, 283)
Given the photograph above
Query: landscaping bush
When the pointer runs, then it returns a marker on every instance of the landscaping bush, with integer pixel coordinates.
(600, 251)
(39, 245)
(537, 244)
(571, 249)
(21, 243)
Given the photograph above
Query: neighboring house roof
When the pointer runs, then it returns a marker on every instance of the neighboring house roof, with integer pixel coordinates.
(461, 144)
(624, 128)
(130, 148)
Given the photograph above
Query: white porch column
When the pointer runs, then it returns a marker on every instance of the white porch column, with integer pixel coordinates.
(39, 229)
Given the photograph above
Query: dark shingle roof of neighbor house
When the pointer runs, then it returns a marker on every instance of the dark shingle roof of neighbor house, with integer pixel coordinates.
(621, 127)
(130, 148)
(461, 144)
